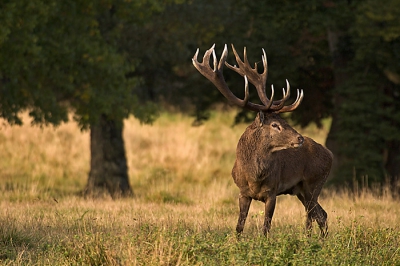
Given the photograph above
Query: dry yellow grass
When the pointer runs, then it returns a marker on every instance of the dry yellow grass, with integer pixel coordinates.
(169, 156)
(185, 205)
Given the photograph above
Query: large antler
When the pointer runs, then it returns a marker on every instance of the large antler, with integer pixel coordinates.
(258, 80)
(216, 76)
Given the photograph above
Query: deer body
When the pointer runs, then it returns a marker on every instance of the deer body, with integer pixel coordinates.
(272, 158)
(263, 172)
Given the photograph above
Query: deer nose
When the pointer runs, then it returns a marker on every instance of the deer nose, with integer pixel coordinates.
(300, 139)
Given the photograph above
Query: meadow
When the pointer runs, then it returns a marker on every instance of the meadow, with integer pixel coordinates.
(184, 208)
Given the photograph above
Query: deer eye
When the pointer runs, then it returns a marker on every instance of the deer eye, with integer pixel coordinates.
(276, 126)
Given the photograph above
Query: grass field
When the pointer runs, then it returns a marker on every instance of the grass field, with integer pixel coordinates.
(185, 207)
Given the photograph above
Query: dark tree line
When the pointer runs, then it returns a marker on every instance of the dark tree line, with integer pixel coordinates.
(105, 60)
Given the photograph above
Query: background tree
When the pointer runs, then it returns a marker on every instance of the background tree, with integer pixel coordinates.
(55, 59)
(91, 57)
(158, 37)
(369, 96)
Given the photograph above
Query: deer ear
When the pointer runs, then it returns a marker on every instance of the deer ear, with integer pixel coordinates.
(260, 118)
(256, 124)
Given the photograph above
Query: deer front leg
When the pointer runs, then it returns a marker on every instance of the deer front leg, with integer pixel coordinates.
(269, 212)
(244, 205)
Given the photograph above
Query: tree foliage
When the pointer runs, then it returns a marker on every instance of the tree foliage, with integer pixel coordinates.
(369, 120)
(58, 56)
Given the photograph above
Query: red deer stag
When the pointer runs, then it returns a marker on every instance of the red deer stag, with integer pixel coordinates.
(271, 157)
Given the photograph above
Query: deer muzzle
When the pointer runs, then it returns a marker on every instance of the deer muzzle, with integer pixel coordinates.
(300, 141)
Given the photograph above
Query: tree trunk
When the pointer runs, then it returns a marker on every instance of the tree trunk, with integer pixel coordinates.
(392, 166)
(339, 63)
(108, 166)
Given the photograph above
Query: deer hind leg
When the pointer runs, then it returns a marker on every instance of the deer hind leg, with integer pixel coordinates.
(321, 217)
(314, 213)
(244, 205)
(309, 217)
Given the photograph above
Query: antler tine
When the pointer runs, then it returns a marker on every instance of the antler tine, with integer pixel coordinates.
(265, 64)
(258, 80)
(215, 61)
(272, 96)
(196, 55)
(265, 75)
(223, 57)
(238, 60)
(294, 105)
(286, 94)
(246, 90)
(206, 59)
(245, 60)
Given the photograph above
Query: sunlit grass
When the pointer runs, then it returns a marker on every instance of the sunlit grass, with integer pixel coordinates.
(185, 207)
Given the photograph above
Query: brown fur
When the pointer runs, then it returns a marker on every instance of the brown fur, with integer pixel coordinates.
(270, 163)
